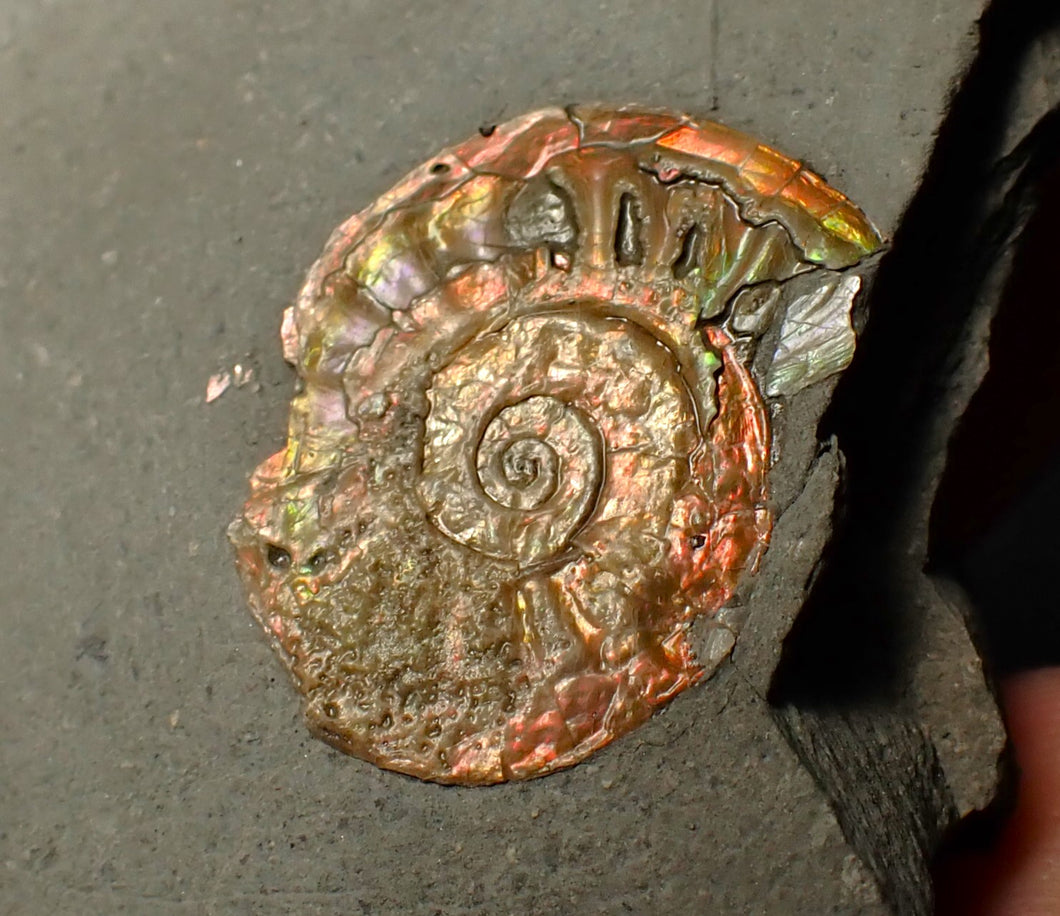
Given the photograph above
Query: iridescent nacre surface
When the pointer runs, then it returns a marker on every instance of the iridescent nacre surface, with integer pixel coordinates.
(529, 447)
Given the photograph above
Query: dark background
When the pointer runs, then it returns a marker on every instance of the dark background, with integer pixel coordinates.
(995, 517)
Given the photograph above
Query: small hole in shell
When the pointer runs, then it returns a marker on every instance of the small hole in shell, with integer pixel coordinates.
(278, 557)
(629, 249)
(688, 258)
(318, 561)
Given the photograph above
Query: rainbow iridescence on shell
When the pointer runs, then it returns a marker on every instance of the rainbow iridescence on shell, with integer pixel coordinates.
(529, 448)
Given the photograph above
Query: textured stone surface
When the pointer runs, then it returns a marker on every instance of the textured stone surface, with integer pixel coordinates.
(168, 174)
(885, 626)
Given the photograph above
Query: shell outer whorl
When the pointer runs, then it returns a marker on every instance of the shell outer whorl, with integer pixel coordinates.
(531, 444)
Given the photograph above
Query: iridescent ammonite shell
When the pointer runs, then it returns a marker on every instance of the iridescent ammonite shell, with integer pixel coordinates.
(530, 446)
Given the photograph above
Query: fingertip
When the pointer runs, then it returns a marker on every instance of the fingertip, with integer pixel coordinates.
(1020, 874)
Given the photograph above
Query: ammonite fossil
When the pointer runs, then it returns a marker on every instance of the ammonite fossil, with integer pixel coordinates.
(531, 442)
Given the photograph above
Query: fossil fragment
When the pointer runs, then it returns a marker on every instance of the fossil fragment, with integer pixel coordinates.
(530, 447)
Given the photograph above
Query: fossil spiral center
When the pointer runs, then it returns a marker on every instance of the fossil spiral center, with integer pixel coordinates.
(525, 460)
(528, 467)
(537, 453)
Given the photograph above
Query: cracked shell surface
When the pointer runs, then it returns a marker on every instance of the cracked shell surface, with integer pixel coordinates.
(529, 448)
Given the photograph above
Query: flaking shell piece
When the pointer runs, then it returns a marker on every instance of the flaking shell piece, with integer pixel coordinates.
(529, 446)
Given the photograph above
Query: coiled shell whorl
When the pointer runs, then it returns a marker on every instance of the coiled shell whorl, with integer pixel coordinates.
(531, 444)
